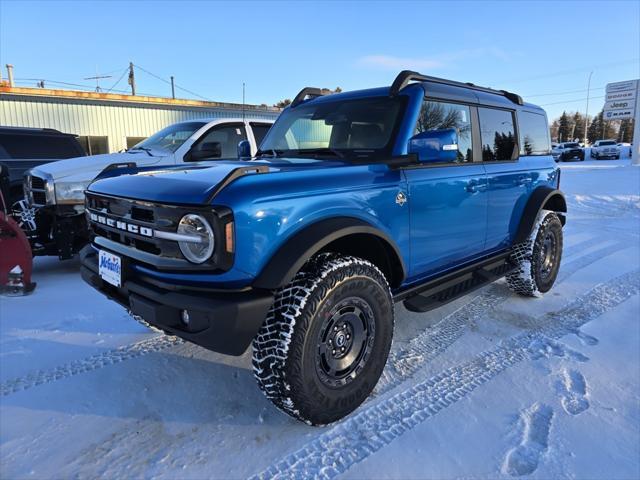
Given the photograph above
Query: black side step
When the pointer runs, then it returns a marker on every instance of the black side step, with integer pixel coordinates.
(438, 292)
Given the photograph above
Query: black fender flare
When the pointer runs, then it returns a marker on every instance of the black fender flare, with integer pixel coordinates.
(301, 246)
(541, 198)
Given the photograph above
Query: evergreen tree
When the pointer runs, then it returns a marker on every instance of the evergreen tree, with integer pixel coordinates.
(564, 128)
(594, 132)
(625, 133)
(283, 103)
(553, 130)
(578, 126)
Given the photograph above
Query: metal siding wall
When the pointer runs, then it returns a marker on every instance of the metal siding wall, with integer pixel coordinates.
(116, 121)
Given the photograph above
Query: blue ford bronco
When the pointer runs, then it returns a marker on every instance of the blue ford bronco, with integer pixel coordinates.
(420, 192)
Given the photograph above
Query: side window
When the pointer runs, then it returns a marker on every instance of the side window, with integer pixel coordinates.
(443, 116)
(94, 145)
(498, 134)
(534, 134)
(259, 131)
(228, 136)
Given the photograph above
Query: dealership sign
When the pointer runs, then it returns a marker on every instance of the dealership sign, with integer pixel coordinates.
(620, 100)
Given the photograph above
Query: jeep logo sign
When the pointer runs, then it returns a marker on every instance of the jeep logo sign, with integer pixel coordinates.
(120, 225)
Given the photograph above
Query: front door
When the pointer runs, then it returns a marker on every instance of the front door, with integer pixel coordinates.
(447, 201)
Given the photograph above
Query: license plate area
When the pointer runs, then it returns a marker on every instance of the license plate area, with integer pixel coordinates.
(110, 268)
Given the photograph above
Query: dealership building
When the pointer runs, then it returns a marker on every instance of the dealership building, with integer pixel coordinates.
(106, 122)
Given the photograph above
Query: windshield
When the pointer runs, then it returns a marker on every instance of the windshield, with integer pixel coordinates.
(607, 143)
(352, 128)
(571, 145)
(169, 138)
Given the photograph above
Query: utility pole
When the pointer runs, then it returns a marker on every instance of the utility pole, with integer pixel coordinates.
(132, 79)
(243, 101)
(173, 89)
(10, 74)
(586, 112)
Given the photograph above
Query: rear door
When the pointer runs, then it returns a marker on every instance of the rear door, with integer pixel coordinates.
(509, 180)
(447, 201)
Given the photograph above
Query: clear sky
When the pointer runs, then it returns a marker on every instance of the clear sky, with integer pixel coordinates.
(542, 50)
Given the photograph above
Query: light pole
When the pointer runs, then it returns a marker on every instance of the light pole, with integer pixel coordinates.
(586, 112)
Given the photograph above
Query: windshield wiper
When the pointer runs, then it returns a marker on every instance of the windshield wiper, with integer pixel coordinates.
(144, 149)
(319, 151)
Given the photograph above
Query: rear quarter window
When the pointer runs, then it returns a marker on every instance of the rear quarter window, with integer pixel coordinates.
(534, 134)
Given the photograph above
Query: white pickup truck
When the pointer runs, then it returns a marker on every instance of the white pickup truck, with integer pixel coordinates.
(605, 149)
(52, 213)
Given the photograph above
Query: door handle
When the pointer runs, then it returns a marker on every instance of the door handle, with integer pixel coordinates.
(474, 186)
(524, 180)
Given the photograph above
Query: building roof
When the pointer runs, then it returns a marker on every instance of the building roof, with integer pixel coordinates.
(98, 97)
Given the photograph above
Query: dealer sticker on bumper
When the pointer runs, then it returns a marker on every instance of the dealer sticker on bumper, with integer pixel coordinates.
(110, 268)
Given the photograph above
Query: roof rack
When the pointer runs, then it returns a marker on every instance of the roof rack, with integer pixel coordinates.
(311, 92)
(406, 76)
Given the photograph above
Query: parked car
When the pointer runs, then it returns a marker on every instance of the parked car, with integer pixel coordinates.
(420, 192)
(603, 149)
(24, 148)
(53, 213)
(566, 151)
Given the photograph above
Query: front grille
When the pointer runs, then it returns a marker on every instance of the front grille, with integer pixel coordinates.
(139, 225)
(36, 190)
(37, 183)
(139, 214)
(39, 198)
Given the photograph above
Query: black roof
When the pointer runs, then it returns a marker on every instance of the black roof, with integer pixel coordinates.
(33, 131)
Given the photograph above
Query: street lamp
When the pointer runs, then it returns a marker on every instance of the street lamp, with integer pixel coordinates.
(586, 112)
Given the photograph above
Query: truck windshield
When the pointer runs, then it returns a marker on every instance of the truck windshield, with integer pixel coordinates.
(607, 143)
(345, 129)
(169, 138)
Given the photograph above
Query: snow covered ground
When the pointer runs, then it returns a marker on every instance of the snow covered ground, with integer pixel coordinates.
(491, 386)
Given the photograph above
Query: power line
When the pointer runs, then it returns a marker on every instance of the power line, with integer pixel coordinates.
(119, 79)
(169, 83)
(563, 93)
(576, 70)
(570, 101)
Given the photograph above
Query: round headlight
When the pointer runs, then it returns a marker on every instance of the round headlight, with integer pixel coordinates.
(199, 247)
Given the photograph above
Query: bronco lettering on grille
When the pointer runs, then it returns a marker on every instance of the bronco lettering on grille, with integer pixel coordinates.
(120, 225)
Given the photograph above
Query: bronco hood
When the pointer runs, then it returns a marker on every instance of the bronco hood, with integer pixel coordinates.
(193, 184)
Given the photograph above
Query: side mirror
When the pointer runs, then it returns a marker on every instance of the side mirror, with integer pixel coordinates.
(206, 150)
(244, 149)
(435, 145)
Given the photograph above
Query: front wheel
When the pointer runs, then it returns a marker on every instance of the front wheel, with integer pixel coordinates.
(538, 258)
(325, 341)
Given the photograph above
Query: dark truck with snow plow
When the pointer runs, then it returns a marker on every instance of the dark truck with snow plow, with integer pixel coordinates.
(417, 193)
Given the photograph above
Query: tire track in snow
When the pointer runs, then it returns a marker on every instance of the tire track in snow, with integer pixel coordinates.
(429, 344)
(367, 431)
(401, 364)
(94, 362)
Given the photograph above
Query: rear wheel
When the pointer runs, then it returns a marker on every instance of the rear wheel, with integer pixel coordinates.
(538, 258)
(326, 339)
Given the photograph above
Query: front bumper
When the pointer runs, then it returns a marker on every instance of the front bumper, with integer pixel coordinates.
(219, 320)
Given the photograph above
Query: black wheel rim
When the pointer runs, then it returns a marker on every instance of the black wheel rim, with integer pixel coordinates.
(345, 343)
(548, 255)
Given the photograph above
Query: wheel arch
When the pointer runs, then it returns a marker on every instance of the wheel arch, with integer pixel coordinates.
(345, 235)
(546, 198)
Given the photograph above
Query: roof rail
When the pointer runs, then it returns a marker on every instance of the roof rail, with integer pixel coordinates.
(406, 76)
(311, 92)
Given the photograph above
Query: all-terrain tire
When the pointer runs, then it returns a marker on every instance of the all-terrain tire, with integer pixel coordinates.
(538, 258)
(292, 352)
